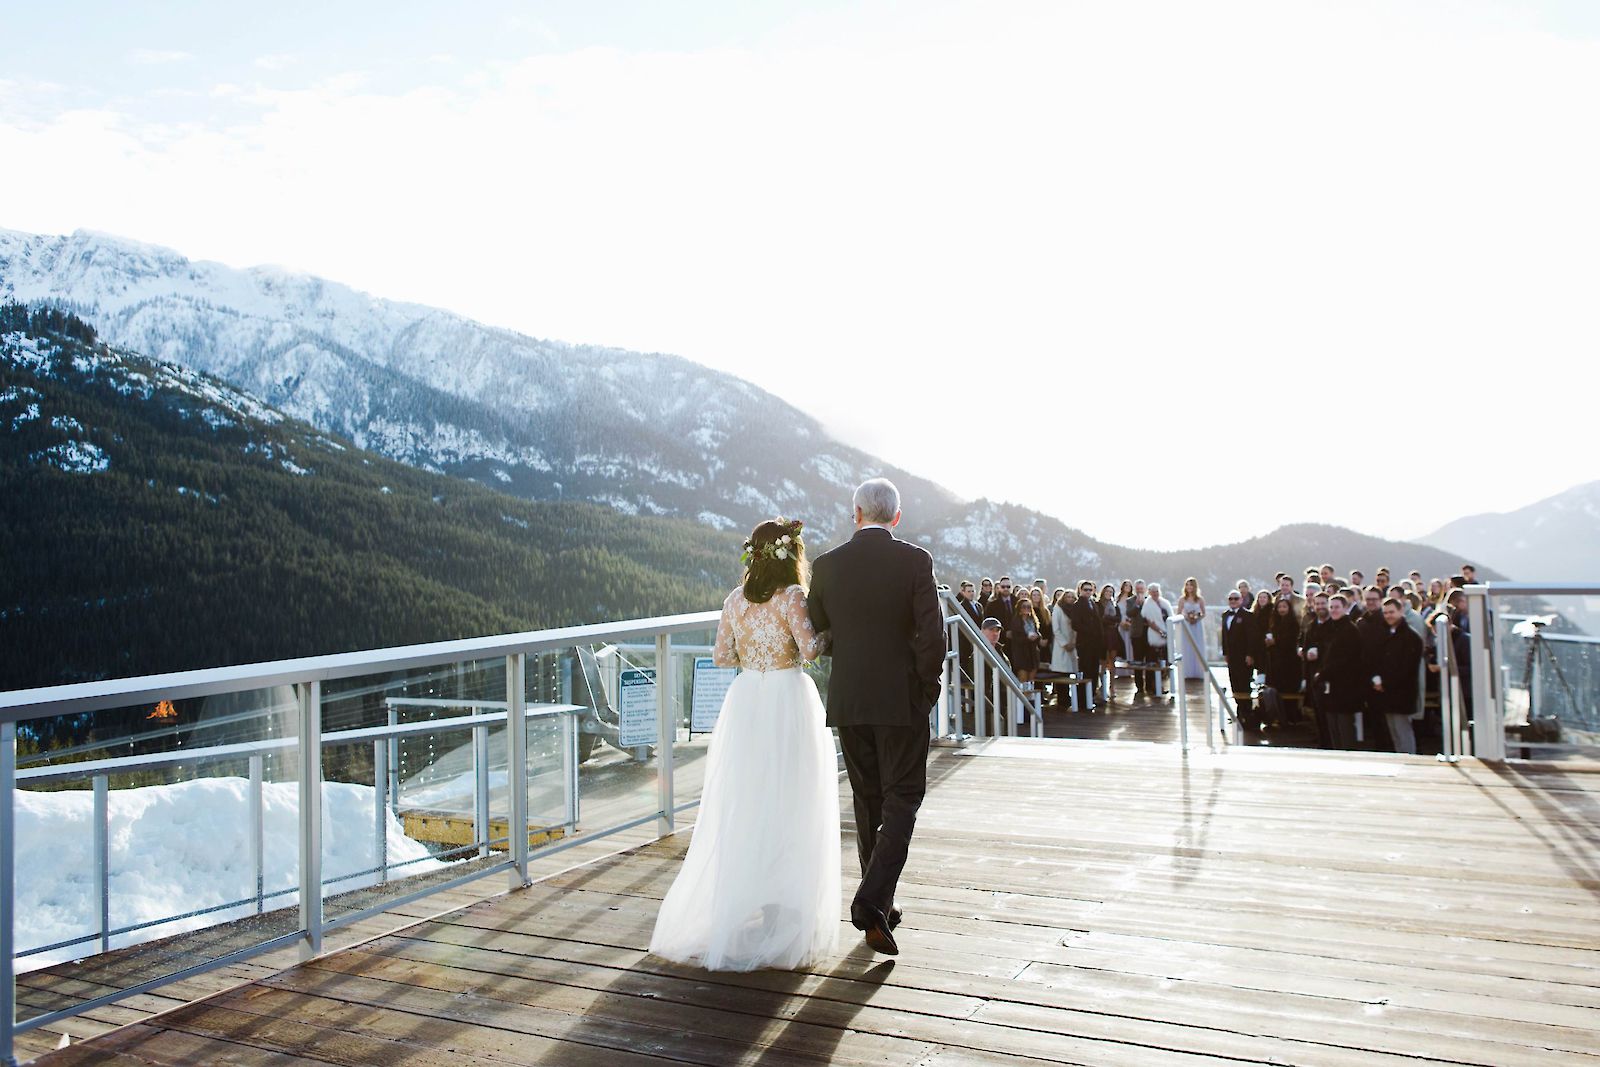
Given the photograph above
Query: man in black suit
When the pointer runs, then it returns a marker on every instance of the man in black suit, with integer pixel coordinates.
(1090, 637)
(1003, 606)
(1238, 648)
(1133, 611)
(1342, 681)
(876, 594)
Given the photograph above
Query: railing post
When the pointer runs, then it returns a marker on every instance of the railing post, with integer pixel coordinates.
(394, 762)
(666, 732)
(310, 694)
(480, 788)
(102, 857)
(258, 853)
(1001, 721)
(1449, 708)
(569, 769)
(1488, 718)
(517, 760)
(8, 893)
(1180, 701)
(952, 672)
(980, 695)
(380, 808)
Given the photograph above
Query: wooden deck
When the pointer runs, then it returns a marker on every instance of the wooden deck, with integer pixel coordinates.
(1067, 902)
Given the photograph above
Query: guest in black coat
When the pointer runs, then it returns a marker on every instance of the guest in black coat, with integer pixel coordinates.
(1371, 626)
(1394, 676)
(1239, 648)
(1313, 632)
(1089, 633)
(1280, 637)
(1342, 680)
(1003, 606)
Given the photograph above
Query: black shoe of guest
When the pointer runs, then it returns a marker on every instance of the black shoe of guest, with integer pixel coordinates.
(894, 918)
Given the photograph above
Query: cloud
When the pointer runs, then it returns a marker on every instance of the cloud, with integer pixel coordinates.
(149, 57)
(277, 61)
(1365, 236)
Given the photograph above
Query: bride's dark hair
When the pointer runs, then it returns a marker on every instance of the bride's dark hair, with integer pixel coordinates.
(765, 572)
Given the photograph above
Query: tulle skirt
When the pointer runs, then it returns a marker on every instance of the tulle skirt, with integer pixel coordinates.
(759, 886)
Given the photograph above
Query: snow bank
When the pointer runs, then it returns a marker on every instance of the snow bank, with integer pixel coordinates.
(177, 848)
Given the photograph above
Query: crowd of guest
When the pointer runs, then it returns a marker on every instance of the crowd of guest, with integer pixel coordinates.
(1337, 650)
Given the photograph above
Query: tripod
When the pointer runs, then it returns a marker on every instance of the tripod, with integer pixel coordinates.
(1538, 654)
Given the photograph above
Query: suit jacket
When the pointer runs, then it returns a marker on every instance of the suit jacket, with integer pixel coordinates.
(1238, 635)
(1091, 635)
(973, 609)
(1343, 677)
(1004, 609)
(876, 593)
(1395, 660)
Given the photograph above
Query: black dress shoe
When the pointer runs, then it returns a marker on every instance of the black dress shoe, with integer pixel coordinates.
(879, 938)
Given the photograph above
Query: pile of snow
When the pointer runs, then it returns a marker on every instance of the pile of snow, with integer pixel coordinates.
(179, 848)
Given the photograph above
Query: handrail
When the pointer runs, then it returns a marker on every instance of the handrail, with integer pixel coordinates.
(965, 627)
(1225, 703)
(307, 675)
(79, 697)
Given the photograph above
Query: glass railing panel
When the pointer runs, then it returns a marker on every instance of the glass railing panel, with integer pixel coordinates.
(415, 782)
(1549, 663)
(152, 838)
(616, 735)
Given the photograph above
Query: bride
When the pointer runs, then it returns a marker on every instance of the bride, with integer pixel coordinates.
(760, 884)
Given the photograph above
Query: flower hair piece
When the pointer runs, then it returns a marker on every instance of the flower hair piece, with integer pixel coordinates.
(782, 547)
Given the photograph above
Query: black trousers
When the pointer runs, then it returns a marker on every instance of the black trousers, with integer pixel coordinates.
(1239, 676)
(888, 769)
(1142, 679)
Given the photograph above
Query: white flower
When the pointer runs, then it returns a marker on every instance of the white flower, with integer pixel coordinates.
(786, 538)
(782, 553)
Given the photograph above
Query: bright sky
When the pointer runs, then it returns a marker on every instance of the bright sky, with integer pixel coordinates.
(1176, 272)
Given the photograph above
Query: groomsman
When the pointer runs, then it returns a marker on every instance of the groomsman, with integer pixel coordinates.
(1004, 608)
(1394, 676)
(1238, 648)
(1341, 689)
(1313, 632)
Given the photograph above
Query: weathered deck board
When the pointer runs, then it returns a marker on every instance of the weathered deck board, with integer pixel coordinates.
(1067, 902)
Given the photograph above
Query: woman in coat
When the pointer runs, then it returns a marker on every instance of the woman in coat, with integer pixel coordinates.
(1064, 646)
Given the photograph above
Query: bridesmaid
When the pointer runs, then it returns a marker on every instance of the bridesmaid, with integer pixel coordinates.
(1193, 607)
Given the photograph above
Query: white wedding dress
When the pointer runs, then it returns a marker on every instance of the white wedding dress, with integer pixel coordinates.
(760, 886)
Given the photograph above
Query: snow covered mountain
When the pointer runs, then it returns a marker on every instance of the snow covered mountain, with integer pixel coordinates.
(1551, 540)
(644, 433)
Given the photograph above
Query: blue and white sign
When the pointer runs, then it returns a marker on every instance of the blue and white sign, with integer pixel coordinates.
(636, 705)
(711, 684)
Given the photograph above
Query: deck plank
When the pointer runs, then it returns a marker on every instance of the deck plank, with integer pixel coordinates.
(1068, 902)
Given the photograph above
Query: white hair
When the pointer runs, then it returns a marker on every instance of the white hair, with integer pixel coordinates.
(878, 500)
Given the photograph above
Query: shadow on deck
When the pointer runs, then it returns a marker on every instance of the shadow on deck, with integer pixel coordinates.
(1067, 902)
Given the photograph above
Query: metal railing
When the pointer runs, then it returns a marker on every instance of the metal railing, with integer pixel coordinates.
(993, 684)
(1486, 671)
(308, 676)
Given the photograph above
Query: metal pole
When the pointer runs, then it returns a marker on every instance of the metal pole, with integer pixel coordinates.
(1449, 710)
(8, 895)
(1488, 733)
(1181, 701)
(380, 808)
(102, 857)
(310, 694)
(952, 668)
(258, 832)
(997, 704)
(394, 763)
(480, 788)
(517, 757)
(666, 732)
(980, 694)
(569, 768)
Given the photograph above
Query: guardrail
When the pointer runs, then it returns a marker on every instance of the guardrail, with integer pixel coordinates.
(992, 682)
(308, 747)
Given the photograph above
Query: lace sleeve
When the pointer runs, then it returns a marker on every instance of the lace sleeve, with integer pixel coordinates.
(795, 613)
(723, 653)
